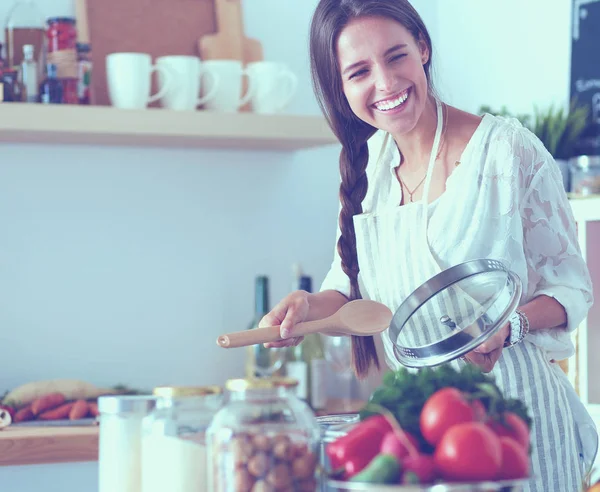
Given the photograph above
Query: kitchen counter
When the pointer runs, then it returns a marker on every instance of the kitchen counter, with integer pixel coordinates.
(41, 445)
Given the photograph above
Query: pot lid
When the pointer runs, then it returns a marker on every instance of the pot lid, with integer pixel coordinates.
(454, 312)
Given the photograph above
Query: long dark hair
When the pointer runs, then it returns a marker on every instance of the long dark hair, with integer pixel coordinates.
(330, 17)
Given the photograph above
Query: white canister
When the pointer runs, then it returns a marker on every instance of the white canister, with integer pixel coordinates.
(119, 446)
(173, 438)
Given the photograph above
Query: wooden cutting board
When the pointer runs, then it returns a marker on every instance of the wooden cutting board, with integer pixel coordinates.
(157, 27)
(230, 42)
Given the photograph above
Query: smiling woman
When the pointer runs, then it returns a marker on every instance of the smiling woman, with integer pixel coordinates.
(408, 212)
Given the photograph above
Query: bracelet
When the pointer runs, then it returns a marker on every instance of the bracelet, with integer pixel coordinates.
(519, 328)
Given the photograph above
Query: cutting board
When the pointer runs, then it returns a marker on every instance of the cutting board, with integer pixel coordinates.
(230, 42)
(157, 27)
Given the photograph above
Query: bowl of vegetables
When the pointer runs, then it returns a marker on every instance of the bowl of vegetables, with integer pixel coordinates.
(439, 430)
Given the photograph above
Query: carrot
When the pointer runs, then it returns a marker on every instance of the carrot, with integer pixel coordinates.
(24, 414)
(93, 409)
(58, 413)
(47, 402)
(79, 410)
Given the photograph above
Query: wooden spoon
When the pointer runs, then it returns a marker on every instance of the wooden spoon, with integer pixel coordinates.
(360, 317)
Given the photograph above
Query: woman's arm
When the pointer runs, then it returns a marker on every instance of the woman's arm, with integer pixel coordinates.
(544, 312)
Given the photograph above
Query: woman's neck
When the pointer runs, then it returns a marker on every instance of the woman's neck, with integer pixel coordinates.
(415, 146)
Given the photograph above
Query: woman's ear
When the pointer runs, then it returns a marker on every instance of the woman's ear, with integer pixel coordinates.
(424, 50)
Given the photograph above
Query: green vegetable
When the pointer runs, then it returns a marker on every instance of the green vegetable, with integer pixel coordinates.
(404, 393)
(384, 468)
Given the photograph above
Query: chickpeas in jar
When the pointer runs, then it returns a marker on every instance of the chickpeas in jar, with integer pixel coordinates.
(264, 440)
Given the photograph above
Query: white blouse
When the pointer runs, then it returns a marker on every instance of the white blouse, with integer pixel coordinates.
(504, 201)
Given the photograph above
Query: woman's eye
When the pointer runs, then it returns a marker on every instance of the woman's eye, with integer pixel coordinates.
(397, 57)
(358, 74)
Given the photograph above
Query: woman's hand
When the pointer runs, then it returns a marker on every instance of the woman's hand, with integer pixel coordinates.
(487, 354)
(291, 310)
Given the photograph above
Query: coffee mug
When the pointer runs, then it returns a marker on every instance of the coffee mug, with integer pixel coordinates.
(187, 71)
(275, 85)
(228, 95)
(129, 78)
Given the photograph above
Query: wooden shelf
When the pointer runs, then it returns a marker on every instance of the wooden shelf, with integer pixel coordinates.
(102, 125)
(40, 445)
(35, 445)
(586, 209)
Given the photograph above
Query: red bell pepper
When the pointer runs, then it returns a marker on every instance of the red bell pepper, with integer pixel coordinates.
(355, 450)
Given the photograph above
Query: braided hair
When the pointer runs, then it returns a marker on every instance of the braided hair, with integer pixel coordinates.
(329, 19)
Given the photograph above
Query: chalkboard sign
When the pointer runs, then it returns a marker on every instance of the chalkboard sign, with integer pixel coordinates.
(585, 56)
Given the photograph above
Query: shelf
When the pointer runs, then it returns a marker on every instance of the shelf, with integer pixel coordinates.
(35, 445)
(586, 209)
(104, 125)
(41, 445)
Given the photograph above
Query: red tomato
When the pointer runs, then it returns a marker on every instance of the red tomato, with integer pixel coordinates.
(479, 411)
(512, 426)
(468, 452)
(443, 409)
(515, 462)
(422, 465)
(394, 445)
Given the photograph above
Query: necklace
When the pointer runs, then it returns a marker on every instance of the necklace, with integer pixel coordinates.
(442, 142)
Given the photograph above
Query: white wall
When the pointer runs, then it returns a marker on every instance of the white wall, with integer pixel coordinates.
(122, 265)
(511, 53)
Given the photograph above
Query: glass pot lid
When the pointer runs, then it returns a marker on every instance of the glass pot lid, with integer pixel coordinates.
(454, 312)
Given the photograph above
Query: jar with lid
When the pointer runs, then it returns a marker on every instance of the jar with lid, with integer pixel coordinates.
(119, 449)
(585, 175)
(173, 438)
(265, 438)
(61, 34)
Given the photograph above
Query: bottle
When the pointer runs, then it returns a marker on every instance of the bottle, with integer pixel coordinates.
(261, 361)
(24, 25)
(307, 363)
(84, 67)
(29, 75)
(51, 89)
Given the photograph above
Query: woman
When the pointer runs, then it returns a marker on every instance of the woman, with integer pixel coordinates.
(426, 186)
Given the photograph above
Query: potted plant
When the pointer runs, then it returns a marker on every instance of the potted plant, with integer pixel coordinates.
(559, 130)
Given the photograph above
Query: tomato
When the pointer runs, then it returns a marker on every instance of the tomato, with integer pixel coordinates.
(468, 452)
(511, 425)
(394, 445)
(360, 445)
(422, 465)
(479, 411)
(443, 409)
(515, 462)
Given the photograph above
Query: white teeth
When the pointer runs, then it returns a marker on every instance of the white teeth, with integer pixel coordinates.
(394, 103)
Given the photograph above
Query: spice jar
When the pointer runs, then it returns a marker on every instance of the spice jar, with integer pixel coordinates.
(61, 34)
(173, 439)
(119, 450)
(265, 438)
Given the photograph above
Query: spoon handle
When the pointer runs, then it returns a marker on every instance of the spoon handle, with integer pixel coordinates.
(249, 337)
(269, 334)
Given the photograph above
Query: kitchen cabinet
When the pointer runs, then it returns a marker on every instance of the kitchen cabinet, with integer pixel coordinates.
(103, 125)
(585, 363)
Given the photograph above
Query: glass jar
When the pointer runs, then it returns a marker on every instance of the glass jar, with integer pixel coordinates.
(585, 175)
(119, 449)
(265, 438)
(173, 440)
(61, 34)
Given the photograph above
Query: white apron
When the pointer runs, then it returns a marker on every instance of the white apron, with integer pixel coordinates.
(395, 257)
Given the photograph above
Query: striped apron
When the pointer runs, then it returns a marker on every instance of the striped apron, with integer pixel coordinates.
(395, 258)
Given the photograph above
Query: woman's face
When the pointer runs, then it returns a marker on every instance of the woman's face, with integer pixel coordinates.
(382, 73)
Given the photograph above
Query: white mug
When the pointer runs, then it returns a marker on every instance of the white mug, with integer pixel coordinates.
(129, 78)
(275, 85)
(229, 91)
(183, 92)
